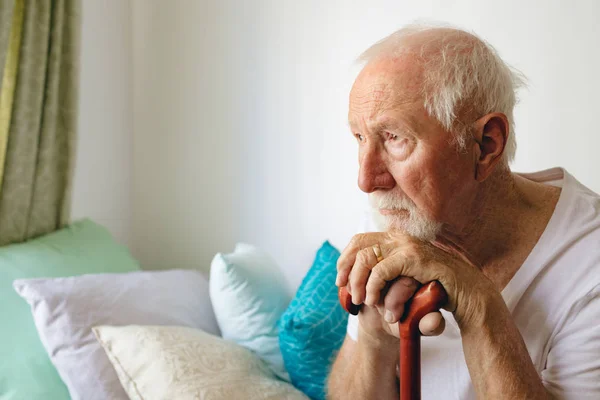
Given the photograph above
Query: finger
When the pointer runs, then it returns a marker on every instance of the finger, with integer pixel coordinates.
(365, 261)
(400, 291)
(432, 324)
(397, 265)
(379, 305)
(374, 288)
(348, 257)
(380, 276)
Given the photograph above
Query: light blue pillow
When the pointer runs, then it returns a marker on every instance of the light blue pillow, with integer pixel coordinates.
(249, 293)
(313, 327)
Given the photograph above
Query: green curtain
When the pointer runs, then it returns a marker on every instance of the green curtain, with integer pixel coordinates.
(38, 164)
(9, 74)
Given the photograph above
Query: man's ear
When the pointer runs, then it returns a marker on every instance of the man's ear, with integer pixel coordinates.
(491, 135)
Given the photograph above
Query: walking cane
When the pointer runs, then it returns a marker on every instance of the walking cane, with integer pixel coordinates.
(429, 298)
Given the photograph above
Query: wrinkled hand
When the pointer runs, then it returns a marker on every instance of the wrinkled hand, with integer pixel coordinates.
(407, 263)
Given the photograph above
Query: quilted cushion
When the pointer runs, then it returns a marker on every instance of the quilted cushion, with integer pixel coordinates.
(313, 326)
(181, 363)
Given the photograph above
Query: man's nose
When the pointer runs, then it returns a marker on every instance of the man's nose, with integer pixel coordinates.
(373, 173)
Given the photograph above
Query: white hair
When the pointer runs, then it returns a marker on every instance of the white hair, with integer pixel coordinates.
(460, 71)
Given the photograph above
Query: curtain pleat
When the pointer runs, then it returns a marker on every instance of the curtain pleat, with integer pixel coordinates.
(6, 14)
(9, 77)
(35, 195)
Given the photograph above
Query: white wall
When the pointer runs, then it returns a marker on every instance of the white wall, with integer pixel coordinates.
(240, 114)
(102, 186)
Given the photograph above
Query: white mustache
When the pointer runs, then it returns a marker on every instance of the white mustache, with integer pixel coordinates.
(391, 201)
(417, 224)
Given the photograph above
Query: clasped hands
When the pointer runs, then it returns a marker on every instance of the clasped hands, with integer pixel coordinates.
(382, 270)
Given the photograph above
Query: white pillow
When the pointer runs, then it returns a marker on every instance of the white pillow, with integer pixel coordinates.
(171, 362)
(249, 294)
(66, 309)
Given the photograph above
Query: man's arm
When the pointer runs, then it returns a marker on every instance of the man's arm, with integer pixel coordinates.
(497, 358)
(499, 363)
(364, 370)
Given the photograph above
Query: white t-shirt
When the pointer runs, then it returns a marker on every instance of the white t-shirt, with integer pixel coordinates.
(554, 299)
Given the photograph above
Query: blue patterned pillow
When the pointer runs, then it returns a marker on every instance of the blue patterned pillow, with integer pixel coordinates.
(313, 326)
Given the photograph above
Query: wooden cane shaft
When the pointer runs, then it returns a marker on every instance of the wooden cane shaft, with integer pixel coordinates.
(429, 298)
(409, 368)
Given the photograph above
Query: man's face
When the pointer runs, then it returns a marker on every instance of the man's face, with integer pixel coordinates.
(416, 179)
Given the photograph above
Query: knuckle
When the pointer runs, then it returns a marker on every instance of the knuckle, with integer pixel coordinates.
(388, 249)
(382, 270)
(376, 273)
(357, 240)
(411, 247)
(361, 257)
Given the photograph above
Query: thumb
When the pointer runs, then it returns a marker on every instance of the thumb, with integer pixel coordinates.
(432, 324)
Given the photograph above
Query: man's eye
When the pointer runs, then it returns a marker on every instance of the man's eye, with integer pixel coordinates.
(392, 136)
(359, 137)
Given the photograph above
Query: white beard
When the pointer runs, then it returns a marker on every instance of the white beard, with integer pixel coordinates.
(415, 224)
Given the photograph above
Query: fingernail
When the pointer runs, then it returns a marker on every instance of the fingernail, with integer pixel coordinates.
(337, 280)
(389, 317)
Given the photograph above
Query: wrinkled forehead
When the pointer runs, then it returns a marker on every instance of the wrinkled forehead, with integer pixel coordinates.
(384, 86)
(370, 99)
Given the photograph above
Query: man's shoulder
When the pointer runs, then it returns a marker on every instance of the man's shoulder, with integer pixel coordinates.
(578, 221)
(564, 266)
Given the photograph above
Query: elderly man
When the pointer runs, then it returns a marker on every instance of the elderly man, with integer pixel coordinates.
(518, 254)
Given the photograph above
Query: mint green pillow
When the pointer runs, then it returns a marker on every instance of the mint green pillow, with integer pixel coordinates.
(84, 247)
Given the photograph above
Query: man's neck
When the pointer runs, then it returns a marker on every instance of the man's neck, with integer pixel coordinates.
(510, 215)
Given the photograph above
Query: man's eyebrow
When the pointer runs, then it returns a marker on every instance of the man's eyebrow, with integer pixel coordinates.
(383, 124)
(378, 125)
